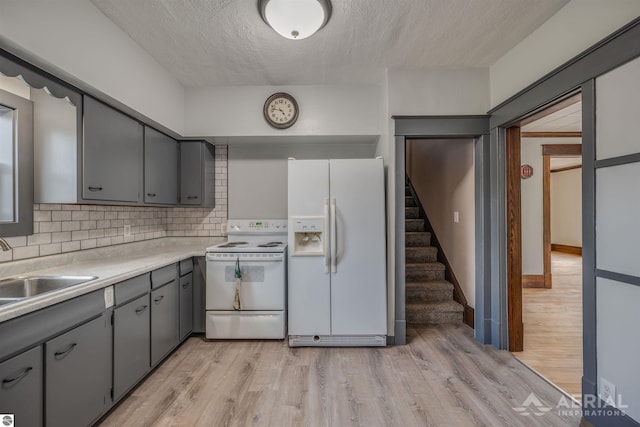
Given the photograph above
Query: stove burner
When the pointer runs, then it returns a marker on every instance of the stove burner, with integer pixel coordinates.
(231, 244)
(270, 245)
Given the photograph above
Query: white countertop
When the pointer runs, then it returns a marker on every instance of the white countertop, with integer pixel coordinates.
(112, 265)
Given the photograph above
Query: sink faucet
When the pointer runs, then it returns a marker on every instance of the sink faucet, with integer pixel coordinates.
(4, 245)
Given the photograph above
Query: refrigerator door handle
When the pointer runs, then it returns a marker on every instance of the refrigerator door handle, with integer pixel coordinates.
(327, 254)
(334, 237)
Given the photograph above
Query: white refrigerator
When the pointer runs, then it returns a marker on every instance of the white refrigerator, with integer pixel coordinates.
(337, 293)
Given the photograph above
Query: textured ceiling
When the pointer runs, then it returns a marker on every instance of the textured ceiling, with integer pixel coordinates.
(225, 42)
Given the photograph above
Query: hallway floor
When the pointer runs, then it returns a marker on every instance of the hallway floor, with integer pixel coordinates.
(553, 325)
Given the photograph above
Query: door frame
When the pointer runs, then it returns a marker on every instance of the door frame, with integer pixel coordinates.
(446, 127)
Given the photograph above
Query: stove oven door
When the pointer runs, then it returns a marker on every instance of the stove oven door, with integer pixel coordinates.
(262, 285)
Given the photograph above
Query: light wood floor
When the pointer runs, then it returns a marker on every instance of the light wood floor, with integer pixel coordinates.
(443, 377)
(553, 325)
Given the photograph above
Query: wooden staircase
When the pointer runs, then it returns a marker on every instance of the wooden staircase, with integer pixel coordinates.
(429, 297)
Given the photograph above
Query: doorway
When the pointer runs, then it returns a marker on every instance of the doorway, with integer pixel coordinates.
(544, 255)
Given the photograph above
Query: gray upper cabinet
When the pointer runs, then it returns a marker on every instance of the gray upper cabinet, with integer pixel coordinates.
(21, 387)
(160, 168)
(197, 174)
(112, 154)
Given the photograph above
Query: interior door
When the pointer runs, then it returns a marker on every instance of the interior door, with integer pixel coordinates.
(358, 286)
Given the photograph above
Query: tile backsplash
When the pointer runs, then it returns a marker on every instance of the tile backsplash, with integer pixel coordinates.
(62, 228)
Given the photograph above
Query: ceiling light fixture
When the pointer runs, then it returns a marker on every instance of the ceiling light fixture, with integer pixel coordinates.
(295, 19)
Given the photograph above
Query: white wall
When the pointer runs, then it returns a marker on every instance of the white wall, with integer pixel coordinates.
(438, 91)
(531, 199)
(257, 174)
(576, 27)
(531, 193)
(566, 207)
(442, 174)
(75, 37)
(324, 110)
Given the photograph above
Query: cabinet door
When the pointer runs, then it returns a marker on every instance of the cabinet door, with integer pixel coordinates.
(191, 173)
(21, 387)
(186, 305)
(112, 154)
(75, 382)
(131, 344)
(160, 168)
(164, 321)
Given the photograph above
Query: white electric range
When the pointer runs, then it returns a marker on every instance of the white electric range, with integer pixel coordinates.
(258, 248)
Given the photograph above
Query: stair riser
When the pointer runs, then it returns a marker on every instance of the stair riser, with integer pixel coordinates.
(423, 275)
(407, 192)
(408, 201)
(421, 254)
(433, 317)
(424, 295)
(411, 213)
(414, 240)
(414, 225)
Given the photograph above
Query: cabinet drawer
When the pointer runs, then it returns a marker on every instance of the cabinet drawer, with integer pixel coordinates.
(163, 275)
(132, 288)
(186, 266)
(21, 387)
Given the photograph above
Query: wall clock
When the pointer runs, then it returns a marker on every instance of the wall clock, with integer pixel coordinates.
(281, 110)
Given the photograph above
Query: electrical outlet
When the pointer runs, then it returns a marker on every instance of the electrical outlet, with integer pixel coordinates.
(223, 228)
(127, 230)
(456, 216)
(608, 392)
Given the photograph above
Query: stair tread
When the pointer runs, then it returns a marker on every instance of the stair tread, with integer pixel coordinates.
(441, 306)
(425, 265)
(430, 284)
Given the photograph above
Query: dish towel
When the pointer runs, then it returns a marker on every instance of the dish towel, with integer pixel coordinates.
(237, 305)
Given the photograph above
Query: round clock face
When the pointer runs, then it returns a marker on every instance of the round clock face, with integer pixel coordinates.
(281, 110)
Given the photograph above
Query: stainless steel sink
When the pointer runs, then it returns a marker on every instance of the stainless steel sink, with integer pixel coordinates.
(18, 288)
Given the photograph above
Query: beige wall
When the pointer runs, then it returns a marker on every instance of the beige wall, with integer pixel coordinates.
(566, 207)
(442, 172)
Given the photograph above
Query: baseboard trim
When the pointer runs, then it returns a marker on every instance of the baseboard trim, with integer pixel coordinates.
(468, 316)
(567, 249)
(533, 281)
(400, 332)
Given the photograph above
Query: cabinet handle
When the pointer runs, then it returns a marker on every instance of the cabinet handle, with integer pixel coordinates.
(151, 194)
(141, 309)
(95, 188)
(158, 299)
(17, 378)
(186, 285)
(62, 354)
(192, 197)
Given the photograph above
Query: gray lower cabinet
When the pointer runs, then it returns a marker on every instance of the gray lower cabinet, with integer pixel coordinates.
(186, 305)
(164, 320)
(21, 387)
(199, 285)
(131, 343)
(160, 168)
(112, 154)
(197, 173)
(75, 380)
